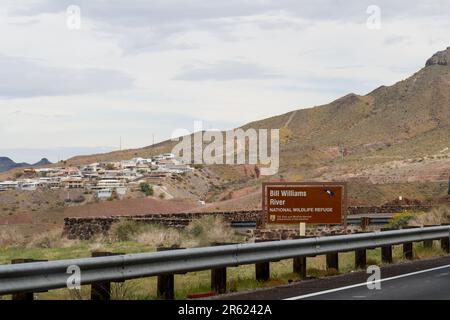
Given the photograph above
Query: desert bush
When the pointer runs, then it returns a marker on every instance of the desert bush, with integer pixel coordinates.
(18, 174)
(435, 216)
(124, 230)
(10, 238)
(146, 188)
(210, 229)
(401, 219)
(50, 239)
(123, 291)
(79, 199)
(157, 236)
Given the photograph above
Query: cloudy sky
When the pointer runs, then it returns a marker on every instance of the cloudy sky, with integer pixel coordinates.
(138, 68)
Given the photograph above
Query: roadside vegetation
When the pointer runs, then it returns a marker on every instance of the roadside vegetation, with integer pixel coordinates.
(146, 188)
(129, 237)
(435, 216)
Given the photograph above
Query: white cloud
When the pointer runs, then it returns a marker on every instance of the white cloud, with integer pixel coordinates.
(226, 70)
(22, 77)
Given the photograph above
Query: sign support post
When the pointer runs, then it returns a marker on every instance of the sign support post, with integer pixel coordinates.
(302, 229)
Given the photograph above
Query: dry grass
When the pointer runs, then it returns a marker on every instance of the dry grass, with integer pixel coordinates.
(200, 232)
(210, 230)
(10, 238)
(435, 216)
(157, 236)
(51, 239)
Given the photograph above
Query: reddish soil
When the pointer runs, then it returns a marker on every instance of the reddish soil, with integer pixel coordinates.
(23, 218)
(130, 207)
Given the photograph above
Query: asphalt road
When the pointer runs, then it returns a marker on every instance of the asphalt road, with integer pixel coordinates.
(417, 280)
(428, 284)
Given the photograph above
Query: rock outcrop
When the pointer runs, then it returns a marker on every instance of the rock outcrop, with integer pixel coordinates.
(440, 58)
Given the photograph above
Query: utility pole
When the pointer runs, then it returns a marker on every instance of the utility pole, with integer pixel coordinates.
(120, 143)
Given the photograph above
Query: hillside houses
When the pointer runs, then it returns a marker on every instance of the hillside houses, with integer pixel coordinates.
(103, 178)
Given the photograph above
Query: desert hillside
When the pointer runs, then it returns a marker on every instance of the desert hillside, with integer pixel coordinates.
(395, 137)
(395, 133)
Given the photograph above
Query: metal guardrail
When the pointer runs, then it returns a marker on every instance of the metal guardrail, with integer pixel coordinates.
(42, 276)
(372, 221)
(350, 221)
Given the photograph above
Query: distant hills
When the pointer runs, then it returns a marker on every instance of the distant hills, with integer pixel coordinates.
(409, 120)
(394, 134)
(8, 164)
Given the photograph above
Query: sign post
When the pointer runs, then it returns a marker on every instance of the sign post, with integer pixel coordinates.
(302, 203)
(302, 229)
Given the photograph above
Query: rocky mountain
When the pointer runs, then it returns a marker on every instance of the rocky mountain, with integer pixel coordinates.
(8, 164)
(440, 57)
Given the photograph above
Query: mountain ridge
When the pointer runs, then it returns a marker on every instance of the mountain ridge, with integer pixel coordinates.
(7, 164)
(408, 120)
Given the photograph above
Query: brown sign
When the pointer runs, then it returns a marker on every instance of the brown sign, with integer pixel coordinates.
(295, 202)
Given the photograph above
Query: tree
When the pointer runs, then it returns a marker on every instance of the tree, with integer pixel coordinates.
(18, 174)
(146, 188)
(110, 166)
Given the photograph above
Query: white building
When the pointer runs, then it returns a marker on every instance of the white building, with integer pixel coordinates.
(73, 183)
(28, 185)
(8, 185)
(104, 193)
(128, 164)
(168, 156)
(110, 184)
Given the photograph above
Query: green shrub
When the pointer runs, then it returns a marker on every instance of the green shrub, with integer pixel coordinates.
(110, 166)
(401, 219)
(18, 174)
(146, 188)
(125, 230)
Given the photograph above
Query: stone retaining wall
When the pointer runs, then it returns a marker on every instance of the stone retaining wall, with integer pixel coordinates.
(287, 234)
(86, 228)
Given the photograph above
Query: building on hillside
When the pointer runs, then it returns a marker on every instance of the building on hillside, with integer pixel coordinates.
(28, 185)
(128, 164)
(104, 193)
(168, 156)
(73, 183)
(89, 171)
(9, 185)
(108, 184)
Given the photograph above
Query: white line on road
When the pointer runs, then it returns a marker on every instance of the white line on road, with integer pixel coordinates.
(366, 283)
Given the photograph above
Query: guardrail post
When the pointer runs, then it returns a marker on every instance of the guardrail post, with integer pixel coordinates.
(262, 269)
(299, 263)
(445, 242)
(219, 280)
(333, 261)
(360, 259)
(166, 282)
(28, 296)
(219, 275)
(408, 247)
(386, 251)
(299, 266)
(365, 221)
(101, 290)
(408, 250)
(428, 243)
(386, 254)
